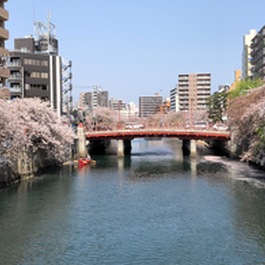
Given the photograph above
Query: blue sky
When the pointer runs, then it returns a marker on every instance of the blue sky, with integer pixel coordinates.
(134, 48)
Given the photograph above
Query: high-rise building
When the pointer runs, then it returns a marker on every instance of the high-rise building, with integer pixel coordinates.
(258, 54)
(246, 54)
(4, 35)
(193, 91)
(36, 68)
(149, 105)
(96, 98)
(82, 102)
(174, 100)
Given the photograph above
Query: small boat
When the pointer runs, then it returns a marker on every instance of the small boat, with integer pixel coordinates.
(85, 161)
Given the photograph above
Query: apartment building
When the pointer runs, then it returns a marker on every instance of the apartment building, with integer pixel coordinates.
(174, 100)
(193, 91)
(246, 54)
(149, 105)
(117, 104)
(258, 54)
(4, 35)
(36, 69)
(96, 98)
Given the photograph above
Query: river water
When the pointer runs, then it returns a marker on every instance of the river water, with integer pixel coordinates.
(154, 207)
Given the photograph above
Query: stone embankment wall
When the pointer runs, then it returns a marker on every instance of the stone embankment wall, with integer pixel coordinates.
(8, 177)
(26, 166)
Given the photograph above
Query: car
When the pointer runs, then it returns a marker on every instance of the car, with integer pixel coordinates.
(220, 127)
(134, 126)
(202, 125)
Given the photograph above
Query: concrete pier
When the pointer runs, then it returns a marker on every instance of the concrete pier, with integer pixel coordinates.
(193, 148)
(120, 148)
(124, 147)
(82, 150)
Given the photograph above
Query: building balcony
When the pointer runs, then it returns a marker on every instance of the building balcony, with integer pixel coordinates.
(16, 89)
(4, 14)
(16, 77)
(16, 63)
(4, 34)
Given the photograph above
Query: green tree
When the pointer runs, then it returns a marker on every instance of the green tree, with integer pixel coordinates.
(216, 106)
(243, 86)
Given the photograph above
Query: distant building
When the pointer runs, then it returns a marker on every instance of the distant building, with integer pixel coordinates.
(117, 104)
(193, 91)
(174, 100)
(237, 77)
(82, 102)
(258, 54)
(132, 110)
(246, 54)
(36, 68)
(223, 88)
(4, 35)
(130, 113)
(149, 105)
(165, 108)
(96, 98)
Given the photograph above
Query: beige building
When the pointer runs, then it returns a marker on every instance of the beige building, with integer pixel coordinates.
(237, 77)
(193, 91)
(246, 54)
(4, 35)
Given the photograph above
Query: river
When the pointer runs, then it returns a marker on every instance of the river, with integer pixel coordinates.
(154, 207)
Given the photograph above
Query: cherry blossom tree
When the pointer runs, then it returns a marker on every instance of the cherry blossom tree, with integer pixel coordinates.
(247, 122)
(32, 125)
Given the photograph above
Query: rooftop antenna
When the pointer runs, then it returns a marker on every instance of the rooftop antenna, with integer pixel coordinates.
(49, 30)
(45, 35)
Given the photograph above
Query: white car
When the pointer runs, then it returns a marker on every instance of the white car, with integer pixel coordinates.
(220, 127)
(133, 126)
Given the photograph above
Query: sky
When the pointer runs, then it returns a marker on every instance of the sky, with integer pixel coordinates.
(135, 48)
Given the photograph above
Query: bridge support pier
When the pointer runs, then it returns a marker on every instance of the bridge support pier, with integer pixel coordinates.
(189, 147)
(124, 147)
(120, 148)
(193, 148)
(82, 150)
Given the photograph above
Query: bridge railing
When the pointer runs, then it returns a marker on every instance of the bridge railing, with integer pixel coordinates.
(153, 126)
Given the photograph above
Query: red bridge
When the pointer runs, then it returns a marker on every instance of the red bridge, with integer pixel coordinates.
(189, 134)
(189, 137)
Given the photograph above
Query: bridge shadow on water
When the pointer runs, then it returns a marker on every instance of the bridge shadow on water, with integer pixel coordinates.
(155, 159)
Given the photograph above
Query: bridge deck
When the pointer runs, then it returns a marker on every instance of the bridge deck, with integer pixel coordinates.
(142, 133)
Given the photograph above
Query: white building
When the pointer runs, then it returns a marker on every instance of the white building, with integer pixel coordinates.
(174, 100)
(246, 54)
